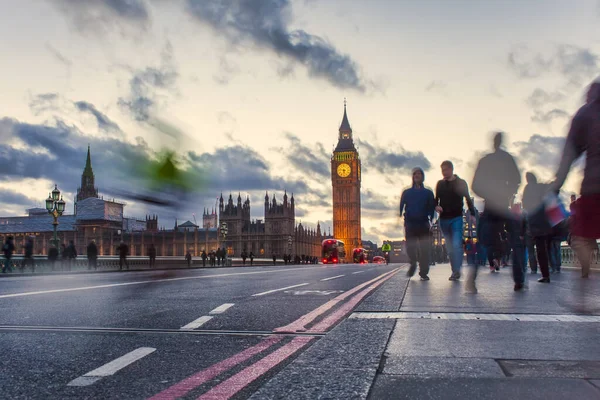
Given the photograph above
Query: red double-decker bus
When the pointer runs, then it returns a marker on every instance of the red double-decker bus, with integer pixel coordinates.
(332, 251)
(360, 256)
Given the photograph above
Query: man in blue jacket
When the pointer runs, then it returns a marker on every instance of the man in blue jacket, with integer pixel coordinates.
(417, 204)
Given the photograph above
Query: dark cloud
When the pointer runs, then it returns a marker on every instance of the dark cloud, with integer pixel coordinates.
(549, 116)
(44, 102)
(527, 64)
(391, 162)
(241, 168)
(311, 160)
(576, 64)
(58, 55)
(57, 153)
(147, 84)
(386, 231)
(540, 151)
(267, 24)
(539, 98)
(371, 200)
(104, 123)
(8, 196)
(100, 16)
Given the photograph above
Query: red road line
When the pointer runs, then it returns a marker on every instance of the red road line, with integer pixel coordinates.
(242, 379)
(192, 382)
(346, 307)
(300, 323)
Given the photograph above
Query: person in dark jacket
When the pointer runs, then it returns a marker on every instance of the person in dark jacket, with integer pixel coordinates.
(28, 259)
(251, 258)
(152, 255)
(52, 256)
(417, 205)
(497, 179)
(204, 256)
(188, 258)
(92, 255)
(539, 227)
(8, 249)
(123, 251)
(71, 254)
(449, 195)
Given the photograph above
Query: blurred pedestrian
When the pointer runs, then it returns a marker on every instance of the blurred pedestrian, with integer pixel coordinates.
(123, 251)
(92, 255)
(497, 179)
(28, 259)
(584, 137)
(152, 255)
(8, 249)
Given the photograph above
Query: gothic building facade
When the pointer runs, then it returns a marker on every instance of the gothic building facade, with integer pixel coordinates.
(103, 221)
(346, 182)
(276, 235)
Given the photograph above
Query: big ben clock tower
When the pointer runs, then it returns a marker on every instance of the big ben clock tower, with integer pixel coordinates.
(345, 179)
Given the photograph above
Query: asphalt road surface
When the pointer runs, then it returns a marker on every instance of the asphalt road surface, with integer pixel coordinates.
(208, 334)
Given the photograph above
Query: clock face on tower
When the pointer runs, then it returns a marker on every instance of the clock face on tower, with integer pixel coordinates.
(343, 170)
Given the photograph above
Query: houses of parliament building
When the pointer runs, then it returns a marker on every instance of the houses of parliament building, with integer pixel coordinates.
(103, 222)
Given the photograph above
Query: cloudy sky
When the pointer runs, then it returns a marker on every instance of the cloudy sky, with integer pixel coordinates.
(250, 94)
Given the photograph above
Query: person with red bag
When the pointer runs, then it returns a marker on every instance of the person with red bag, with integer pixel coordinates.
(584, 137)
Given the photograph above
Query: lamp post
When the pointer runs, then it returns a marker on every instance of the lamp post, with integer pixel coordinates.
(55, 206)
(223, 230)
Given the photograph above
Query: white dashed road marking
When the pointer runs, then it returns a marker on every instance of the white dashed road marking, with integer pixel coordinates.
(279, 290)
(358, 272)
(221, 309)
(333, 277)
(197, 323)
(112, 367)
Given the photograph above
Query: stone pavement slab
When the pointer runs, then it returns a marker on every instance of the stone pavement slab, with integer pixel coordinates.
(548, 369)
(495, 339)
(448, 367)
(413, 388)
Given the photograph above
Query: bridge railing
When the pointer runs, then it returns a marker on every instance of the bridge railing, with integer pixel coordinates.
(42, 264)
(569, 257)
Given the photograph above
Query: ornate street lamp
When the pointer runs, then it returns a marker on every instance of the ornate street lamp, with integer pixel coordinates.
(223, 230)
(55, 206)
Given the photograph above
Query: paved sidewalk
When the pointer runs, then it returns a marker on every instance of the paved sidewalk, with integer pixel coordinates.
(431, 340)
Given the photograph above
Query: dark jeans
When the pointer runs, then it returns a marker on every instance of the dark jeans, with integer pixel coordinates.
(530, 242)
(123, 260)
(554, 253)
(418, 246)
(7, 265)
(498, 223)
(543, 245)
(92, 262)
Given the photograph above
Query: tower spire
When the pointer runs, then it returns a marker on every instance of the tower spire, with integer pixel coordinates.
(88, 161)
(87, 188)
(345, 125)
